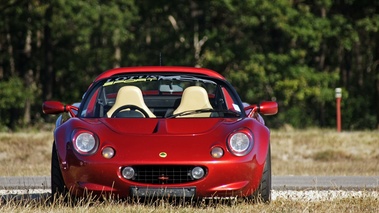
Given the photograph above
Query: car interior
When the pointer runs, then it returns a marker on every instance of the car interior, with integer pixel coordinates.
(129, 95)
(144, 100)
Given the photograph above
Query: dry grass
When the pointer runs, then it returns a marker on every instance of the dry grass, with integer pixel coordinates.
(359, 204)
(325, 152)
(25, 154)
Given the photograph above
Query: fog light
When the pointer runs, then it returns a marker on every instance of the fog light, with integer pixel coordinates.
(108, 152)
(197, 173)
(217, 152)
(128, 172)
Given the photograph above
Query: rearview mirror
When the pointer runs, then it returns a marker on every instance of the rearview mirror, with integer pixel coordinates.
(170, 88)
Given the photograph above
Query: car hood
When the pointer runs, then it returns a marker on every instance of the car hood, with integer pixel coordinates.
(163, 126)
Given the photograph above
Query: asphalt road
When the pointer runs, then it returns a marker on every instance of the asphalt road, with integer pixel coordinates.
(279, 183)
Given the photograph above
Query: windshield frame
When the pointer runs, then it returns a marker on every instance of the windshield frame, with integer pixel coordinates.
(94, 88)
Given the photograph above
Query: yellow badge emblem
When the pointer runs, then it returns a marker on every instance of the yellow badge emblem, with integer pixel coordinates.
(163, 154)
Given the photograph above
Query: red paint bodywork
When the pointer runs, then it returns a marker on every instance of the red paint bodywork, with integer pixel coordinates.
(186, 141)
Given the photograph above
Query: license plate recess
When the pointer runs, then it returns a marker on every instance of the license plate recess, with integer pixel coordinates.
(186, 192)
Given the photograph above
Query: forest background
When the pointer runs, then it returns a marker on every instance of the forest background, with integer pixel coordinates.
(295, 52)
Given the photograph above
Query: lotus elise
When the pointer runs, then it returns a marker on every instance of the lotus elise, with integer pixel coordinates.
(161, 131)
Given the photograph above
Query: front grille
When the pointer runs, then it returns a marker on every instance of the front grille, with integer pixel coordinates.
(163, 174)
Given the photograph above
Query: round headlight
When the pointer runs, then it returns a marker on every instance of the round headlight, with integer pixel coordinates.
(240, 143)
(128, 172)
(197, 173)
(85, 142)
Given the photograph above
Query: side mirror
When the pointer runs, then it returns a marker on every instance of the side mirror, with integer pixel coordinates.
(264, 108)
(268, 108)
(56, 107)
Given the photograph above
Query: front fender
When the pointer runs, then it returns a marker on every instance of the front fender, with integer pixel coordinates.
(59, 121)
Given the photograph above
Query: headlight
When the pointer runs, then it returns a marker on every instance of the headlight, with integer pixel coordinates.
(85, 142)
(240, 142)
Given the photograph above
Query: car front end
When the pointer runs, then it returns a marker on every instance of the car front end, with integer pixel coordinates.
(177, 157)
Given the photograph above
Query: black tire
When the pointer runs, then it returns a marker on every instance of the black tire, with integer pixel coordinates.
(58, 187)
(263, 193)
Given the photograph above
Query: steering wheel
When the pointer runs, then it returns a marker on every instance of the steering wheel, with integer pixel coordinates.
(132, 108)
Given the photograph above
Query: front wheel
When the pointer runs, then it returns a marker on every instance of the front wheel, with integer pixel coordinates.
(58, 187)
(263, 193)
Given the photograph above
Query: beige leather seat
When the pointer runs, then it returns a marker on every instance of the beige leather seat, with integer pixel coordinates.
(129, 95)
(194, 98)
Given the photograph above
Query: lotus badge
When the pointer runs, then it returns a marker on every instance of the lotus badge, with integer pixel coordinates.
(163, 154)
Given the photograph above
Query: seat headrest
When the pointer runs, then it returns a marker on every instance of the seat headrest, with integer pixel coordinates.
(194, 98)
(129, 95)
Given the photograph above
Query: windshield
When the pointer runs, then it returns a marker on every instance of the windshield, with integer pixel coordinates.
(160, 96)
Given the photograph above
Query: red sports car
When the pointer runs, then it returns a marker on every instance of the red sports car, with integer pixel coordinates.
(161, 132)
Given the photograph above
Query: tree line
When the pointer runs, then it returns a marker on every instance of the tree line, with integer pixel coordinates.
(294, 52)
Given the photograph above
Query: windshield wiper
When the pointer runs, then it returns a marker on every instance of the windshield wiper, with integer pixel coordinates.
(220, 113)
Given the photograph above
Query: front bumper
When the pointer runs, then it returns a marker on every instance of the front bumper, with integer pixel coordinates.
(223, 179)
